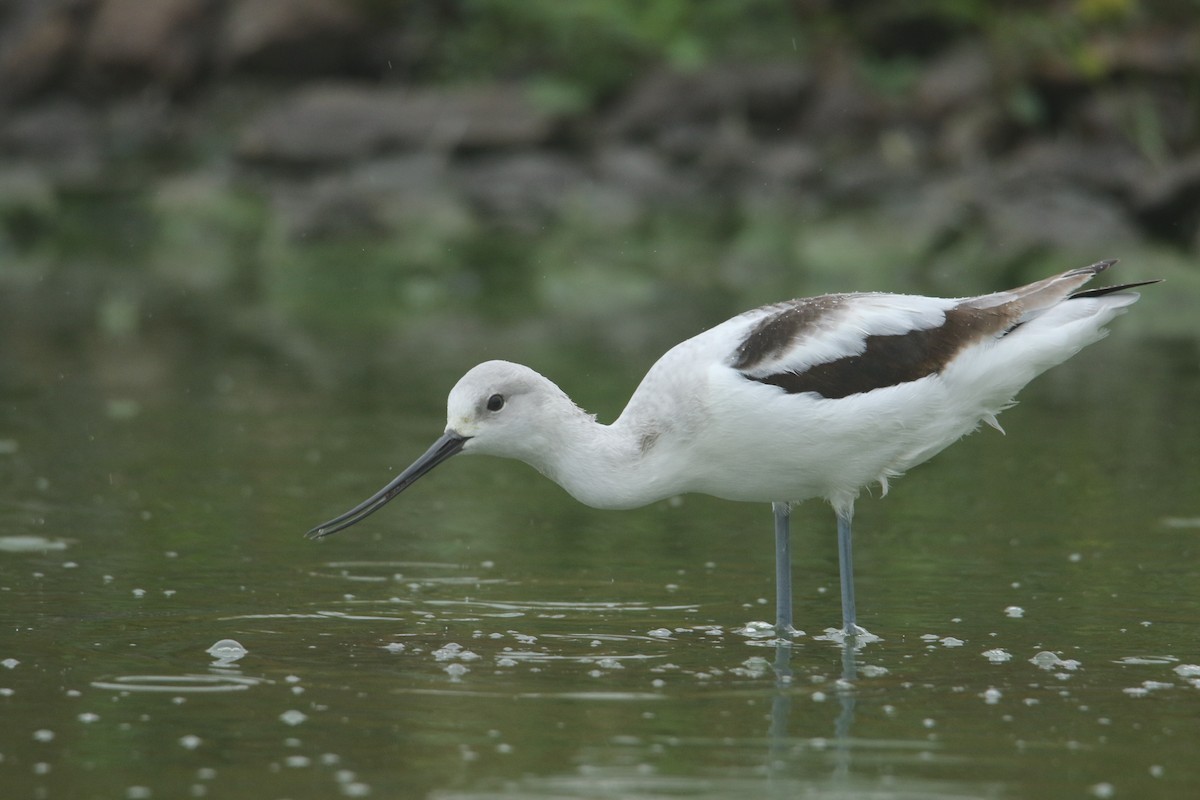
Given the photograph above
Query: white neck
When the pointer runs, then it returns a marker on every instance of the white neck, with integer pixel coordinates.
(603, 466)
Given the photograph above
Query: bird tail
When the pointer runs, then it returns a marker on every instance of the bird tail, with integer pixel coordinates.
(1049, 321)
(1103, 290)
(1033, 299)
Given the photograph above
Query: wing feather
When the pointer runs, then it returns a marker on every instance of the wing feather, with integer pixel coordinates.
(838, 345)
(843, 344)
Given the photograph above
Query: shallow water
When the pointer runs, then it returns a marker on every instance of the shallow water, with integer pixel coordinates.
(486, 636)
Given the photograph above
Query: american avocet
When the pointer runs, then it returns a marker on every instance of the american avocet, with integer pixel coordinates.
(816, 397)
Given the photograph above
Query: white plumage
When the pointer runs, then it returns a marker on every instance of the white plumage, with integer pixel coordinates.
(816, 397)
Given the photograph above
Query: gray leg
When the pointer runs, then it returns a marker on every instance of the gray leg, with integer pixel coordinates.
(846, 565)
(783, 570)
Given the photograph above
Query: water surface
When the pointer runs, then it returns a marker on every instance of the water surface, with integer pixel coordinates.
(486, 636)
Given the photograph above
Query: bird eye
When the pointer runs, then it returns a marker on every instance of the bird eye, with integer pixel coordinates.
(495, 402)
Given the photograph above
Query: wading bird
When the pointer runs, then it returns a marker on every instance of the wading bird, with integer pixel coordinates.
(816, 397)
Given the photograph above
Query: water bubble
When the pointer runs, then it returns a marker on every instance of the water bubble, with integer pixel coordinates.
(227, 651)
(454, 651)
(992, 696)
(659, 633)
(1016, 612)
(997, 655)
(9, 663)
(43, 735)
(190, 741)
(1102, 790)
(293, 717)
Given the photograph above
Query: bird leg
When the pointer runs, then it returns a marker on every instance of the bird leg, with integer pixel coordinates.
(846, 567)
(783, 570)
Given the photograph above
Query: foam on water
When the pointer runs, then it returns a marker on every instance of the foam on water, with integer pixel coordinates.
(756, 629)
(838, 636)
(30, 544)
(1050, 661)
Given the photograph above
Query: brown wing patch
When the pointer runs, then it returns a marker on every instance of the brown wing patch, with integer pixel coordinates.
(776, 333)
(894, 359)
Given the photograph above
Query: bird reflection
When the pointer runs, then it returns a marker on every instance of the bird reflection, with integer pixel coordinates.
(781, 708)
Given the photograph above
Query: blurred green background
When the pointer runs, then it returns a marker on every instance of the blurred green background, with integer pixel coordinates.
(296, 180)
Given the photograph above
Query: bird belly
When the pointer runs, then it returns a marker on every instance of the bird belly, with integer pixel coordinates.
(793, 447)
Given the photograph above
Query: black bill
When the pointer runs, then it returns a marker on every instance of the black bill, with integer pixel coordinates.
(449, 444)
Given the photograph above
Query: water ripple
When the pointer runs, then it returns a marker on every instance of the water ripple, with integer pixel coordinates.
(179, 684)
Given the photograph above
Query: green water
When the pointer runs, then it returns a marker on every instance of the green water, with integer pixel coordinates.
(486, 636)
